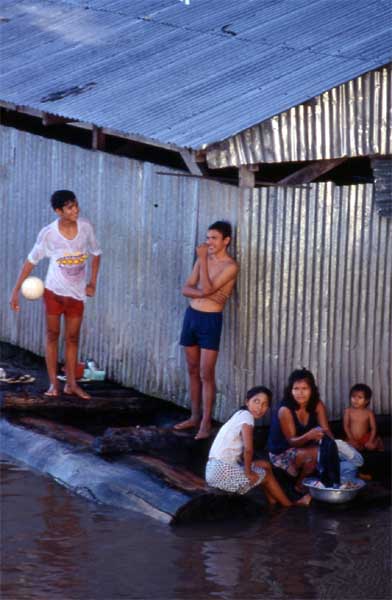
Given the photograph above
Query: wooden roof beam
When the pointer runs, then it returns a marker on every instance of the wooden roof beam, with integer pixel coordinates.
(48, 119)
(311, 172)
(191, 162)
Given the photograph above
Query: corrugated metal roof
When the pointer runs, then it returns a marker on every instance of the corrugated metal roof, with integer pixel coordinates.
(353, 119)
(182, 75)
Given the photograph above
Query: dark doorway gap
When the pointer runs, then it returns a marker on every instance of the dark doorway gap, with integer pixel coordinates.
(83, 138)
(354, 170)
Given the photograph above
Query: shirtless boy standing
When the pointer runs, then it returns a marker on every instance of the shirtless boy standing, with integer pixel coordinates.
(359, 421)
(208, 287)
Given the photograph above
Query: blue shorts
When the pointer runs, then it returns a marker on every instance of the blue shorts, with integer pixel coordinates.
(201, 329)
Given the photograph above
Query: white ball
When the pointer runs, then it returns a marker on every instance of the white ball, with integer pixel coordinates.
(32, 288)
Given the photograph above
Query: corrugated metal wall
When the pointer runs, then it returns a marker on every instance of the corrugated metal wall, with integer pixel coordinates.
(353, 119)
(382, 171)
(314, 287)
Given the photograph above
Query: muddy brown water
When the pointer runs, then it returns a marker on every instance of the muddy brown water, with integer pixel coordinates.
(56, 545)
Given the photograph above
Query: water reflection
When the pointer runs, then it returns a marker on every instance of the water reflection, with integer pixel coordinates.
(57, 545)
(62, 543)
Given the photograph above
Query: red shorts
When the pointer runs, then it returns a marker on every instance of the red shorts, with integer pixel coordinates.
(62, 305)
(364, 440)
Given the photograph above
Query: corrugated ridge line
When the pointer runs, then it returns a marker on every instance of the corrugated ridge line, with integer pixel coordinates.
(353, 119)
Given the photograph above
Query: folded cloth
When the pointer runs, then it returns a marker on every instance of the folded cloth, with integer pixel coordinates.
(328, 464)
(347, 452)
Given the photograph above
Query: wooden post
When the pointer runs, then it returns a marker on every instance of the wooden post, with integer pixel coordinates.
(246, 176)
(191, 162)
(98, 139)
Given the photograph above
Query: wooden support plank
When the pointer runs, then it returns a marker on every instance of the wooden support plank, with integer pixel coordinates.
(98, 138)
(189, 159)
(58, 431)
(311, 172)
(13, 402)
(48, 119)
(173, 475)
(201, 156)
(246, 177)
(259, 183)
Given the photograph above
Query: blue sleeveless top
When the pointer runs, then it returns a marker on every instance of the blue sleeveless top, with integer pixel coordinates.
(277, 443)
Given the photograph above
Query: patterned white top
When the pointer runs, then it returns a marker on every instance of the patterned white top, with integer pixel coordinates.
(67, 272)
(228, 444)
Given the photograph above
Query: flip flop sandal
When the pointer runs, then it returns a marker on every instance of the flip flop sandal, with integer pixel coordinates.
(19, 379)
(26, 379)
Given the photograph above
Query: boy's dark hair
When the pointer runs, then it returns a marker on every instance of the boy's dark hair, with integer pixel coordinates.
(224, 227)
(299, 375)
(362, 387)
(61, 198)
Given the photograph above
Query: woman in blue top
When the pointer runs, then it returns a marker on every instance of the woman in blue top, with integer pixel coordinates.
(298, 425)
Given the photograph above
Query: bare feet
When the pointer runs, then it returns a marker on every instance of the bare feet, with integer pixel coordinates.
(292, 471)
(304, 501)
(52, 392)
(76, 390)
(271, 500)
(203, 434)
(300, 488)
(188, 424)
(365, 476)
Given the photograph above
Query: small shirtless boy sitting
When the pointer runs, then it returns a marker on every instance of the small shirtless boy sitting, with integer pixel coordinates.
(208, 288)
(359, 421)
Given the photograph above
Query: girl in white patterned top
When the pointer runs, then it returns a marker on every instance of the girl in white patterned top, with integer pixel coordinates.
(230, 465)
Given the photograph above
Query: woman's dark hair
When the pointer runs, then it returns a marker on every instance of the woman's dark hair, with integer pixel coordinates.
(301, 375)
(258, 389)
